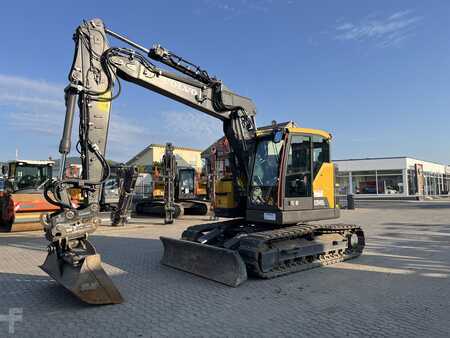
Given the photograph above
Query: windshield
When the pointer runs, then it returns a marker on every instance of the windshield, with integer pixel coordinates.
(186, 178)
(264, 182)
(30, 177)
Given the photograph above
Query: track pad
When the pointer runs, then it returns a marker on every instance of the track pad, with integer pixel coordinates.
(89, 282)
(218, 264)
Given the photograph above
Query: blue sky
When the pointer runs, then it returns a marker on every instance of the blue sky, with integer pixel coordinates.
(374, 73)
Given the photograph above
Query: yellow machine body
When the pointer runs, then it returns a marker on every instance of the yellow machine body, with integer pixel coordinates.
(224, 197)
(323, 183)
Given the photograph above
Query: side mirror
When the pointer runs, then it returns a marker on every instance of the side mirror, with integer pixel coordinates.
(5, 170)
(277, 136)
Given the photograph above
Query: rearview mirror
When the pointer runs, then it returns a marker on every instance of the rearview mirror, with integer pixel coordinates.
(4, 169)
(277, 136)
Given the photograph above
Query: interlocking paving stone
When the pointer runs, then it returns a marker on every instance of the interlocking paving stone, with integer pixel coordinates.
(399, 287)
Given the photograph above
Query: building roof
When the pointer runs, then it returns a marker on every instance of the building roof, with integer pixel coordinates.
(386, 158)
(207, 151)
(156, 145)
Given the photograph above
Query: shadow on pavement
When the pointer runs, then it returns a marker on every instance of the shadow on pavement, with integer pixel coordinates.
(396, 204)
(133, 264)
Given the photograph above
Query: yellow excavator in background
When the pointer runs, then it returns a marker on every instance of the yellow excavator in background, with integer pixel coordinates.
(22, 201)
(176, 190)
(282, 178)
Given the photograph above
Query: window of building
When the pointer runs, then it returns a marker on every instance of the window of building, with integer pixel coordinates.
(390, 181)
(446, 185)
(390, 184)
(412, 182)
(389, 172)
(364, 182)
(431, 183)
(343, 183)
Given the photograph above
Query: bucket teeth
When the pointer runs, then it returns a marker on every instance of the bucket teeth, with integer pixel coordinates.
(87, 281)
(218, 264)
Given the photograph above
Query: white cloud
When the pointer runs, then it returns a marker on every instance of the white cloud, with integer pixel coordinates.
(35, 121)
(36, 109)
(30, 106)
(234, 8)
(25, 84)
(6, 98)
(400, 14)
(192, 128)
(384, 31)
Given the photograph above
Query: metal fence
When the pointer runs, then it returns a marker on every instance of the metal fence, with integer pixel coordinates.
(346, 201)
(342, 201)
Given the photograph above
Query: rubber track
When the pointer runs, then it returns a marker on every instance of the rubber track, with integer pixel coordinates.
(252, 245)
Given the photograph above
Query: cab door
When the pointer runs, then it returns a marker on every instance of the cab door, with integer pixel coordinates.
(297, 187)
(323, 174)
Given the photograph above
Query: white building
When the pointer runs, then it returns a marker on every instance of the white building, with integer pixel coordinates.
(401, 177)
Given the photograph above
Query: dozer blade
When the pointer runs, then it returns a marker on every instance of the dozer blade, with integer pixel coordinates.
(218, 264)
(89, 282)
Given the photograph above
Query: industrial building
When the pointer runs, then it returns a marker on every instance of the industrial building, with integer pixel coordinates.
(392, 177)
(216, 157)
(186, 157)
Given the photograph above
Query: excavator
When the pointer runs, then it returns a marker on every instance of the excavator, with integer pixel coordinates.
(283, 179)
(180, 191)
(115, 210)
(21, 201)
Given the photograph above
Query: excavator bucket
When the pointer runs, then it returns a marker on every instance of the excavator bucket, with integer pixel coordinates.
(218, 264)
(88, 281)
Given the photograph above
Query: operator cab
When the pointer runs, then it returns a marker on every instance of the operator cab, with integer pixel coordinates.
(292, 177)
(28, 175)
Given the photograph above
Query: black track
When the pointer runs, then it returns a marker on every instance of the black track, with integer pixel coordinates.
(252, 246)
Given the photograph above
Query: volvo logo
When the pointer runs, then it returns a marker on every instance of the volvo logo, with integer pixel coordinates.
(183, 87)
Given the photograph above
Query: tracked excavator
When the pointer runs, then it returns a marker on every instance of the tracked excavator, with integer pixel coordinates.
(181, 191)
(283, 179)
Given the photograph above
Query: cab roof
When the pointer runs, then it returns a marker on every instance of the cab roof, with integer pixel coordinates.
(297, 130)
(34, 162)
(318, 132)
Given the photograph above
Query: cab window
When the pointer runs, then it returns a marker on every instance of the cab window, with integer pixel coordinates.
(321, 153)
(264, 183)
(298, 169)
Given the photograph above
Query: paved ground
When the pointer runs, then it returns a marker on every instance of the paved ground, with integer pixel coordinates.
(399, 287)
(402, 204)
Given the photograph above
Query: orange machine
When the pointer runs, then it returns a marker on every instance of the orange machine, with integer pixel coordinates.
(21, 198)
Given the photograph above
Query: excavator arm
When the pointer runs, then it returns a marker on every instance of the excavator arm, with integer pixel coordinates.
(96, 70)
